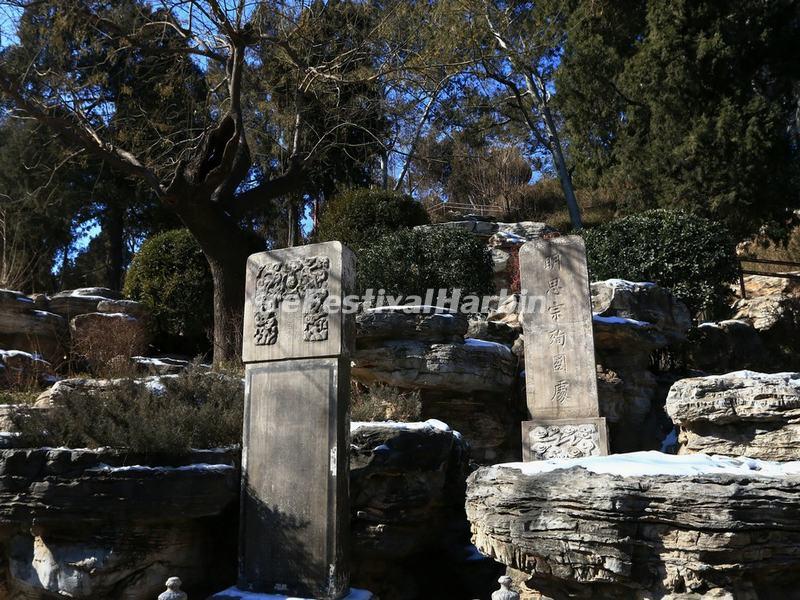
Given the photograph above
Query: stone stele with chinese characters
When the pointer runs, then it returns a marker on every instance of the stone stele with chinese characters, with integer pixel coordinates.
(561, 376)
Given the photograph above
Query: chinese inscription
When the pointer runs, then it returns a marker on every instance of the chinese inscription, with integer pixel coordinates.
(304, 279)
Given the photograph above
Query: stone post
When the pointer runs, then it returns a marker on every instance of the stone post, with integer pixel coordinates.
(295, 515)
(561, 374)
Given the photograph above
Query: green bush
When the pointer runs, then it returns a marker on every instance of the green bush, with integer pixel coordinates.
(359, 216)
(411, 261)
(170, 276)
(691, 255)
(196, 409)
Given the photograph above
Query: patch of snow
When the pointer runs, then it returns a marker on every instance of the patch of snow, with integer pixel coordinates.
(511, 237)
(652, 463)
(235, 593)
(620, 321)
(789, 378)
(494, 346)
(709, 325)
(44, 314)
(199, 468)
(628, 285)
(116, 315)
(155, 386)
(402, 426)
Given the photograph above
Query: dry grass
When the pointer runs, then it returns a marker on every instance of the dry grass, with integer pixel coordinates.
(196, 409)
(104, 347)
(381, 402)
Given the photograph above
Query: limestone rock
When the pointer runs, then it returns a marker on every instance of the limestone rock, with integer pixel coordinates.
(24, 326)
(404, 324)
(527, 230)
(128, 307)
(506, 311)
(760, 285)
(70, 303)
(493, 331)
(163, 365)
(474, 365)
(407, 497)
(22, 369)
(643, 525)
(106, 524)
(738, 414)
(643, 302)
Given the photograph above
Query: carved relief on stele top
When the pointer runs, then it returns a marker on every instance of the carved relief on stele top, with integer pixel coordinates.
(564, 441)
(303, 280)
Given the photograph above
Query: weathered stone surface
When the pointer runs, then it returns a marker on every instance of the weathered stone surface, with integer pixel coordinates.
(726, 346)
(163, 365)
(474, 365)
(23, 326)
(528, 230)
(379, 324)
(739, 414)
(760, 285)
(644, 525)
(560, 364)
(128, 307)
(506, 311)
(104, 524)
(493, 331)
(22, 369)
(407, 495)
(96, 388)
(70, 303)
(643, 302)
(297, 347)
(135, 526)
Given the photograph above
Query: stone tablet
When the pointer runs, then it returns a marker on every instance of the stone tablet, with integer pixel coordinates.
(284, 308)
(560, 368)
(295, 516)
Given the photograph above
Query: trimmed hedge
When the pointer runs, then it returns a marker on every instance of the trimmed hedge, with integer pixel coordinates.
(170, 276)
(358, 217)
(693, 256)
(411, 261)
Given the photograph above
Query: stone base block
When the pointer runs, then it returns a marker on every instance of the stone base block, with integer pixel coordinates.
(543, 439)
(235, 593)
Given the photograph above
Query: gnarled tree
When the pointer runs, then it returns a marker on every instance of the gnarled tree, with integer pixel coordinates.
(207, 160)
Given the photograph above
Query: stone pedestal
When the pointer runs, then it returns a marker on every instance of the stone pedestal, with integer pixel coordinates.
(295, 517)
(561, 376)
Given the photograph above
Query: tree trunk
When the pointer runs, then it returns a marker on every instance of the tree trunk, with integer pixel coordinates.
(561, 168)
(226, 248)
(114, 227)
(228, 274)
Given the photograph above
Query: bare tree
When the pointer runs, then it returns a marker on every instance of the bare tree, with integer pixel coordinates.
(209, 170)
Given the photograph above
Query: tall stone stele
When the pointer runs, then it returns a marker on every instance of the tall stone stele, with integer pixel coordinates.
(560, 368)
(297, 345)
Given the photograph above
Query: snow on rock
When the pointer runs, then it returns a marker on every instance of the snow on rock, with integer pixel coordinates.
(642, 525)
(652, 463)
(430, 424)
(619, 321)
(235, 593)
